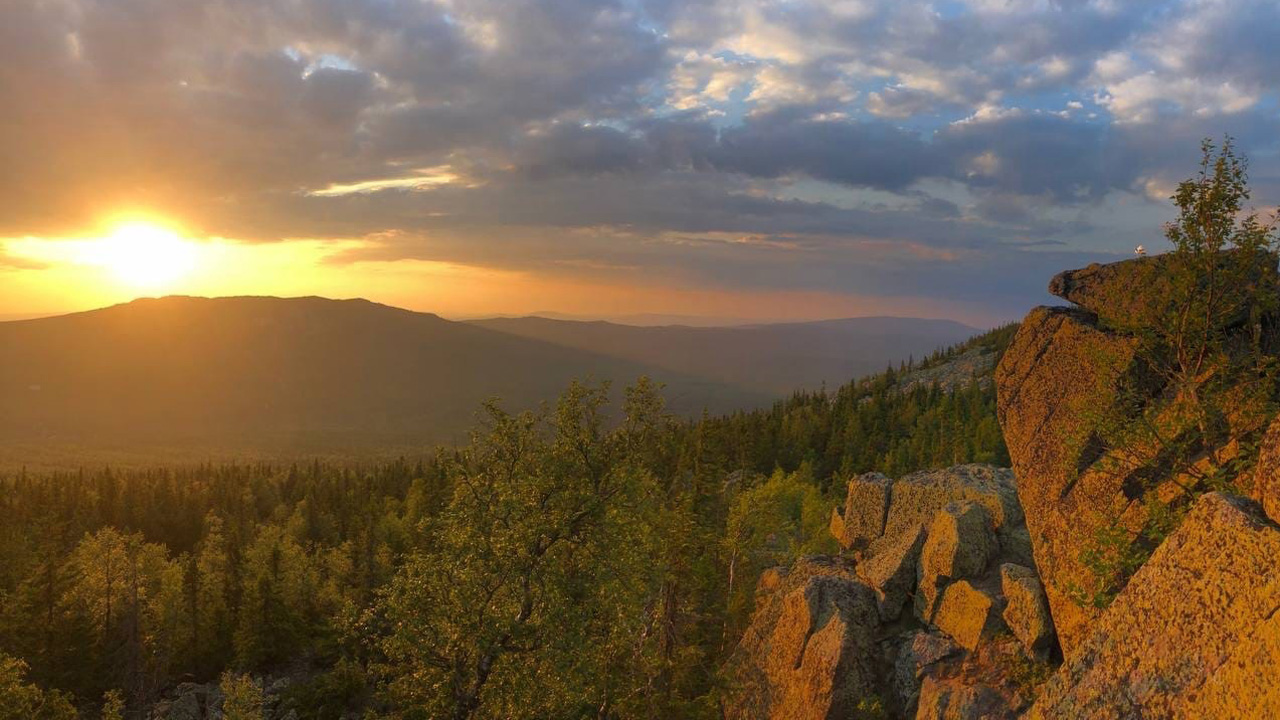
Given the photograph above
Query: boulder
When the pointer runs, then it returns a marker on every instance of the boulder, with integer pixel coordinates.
(808, 653)
(1194, 634)
(862, 518)
(1059, 376)
(917, 497)
(966, 613)
(1026, 610)
(891, 573)
(954, 699)
(878, 510)
(960, 544)
(920, 651)
(1136, 294)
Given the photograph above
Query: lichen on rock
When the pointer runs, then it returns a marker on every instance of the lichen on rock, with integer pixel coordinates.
(1193, 634)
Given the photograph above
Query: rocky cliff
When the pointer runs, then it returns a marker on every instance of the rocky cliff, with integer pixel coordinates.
(959, 593)
(1193, 632)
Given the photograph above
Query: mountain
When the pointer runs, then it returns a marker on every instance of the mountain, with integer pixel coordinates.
(774, 359)
(272, 375)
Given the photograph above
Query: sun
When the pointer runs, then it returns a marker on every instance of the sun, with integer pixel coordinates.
(146, 256)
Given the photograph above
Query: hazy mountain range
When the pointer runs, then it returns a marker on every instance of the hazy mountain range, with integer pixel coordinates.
(775, 359)
(311, 375)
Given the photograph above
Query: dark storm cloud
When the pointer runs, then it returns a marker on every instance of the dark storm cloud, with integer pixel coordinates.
(874, 144)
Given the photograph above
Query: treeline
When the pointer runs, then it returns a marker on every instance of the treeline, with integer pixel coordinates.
(872, 423)
(562, 564)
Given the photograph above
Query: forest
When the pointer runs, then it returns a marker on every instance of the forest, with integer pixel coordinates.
(581, 561)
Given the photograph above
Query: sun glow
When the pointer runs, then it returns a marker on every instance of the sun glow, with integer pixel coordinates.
(144, 256)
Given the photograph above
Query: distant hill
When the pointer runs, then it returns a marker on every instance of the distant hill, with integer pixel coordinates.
(772, 359)
(233, 376)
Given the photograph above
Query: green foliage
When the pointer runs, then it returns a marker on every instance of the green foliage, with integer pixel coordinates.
(885, 423)
(112, 705)
(531, 593)
(1025, 673)
(771, 524)
(22, 701)
(242, 697)
(639, 539)
(1191, 421)
(870, 708)
(1111, 557)
(340, 692)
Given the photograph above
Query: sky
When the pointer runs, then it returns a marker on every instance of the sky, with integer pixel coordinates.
(753, 159)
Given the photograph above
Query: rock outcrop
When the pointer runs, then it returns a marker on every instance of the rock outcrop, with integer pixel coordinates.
(918, 652)
(830, 636)
(878, 509)
(1136, 294)
(1054, 384)
(1195, 633)
(809, 651)
(942, 699)
(1067, 377)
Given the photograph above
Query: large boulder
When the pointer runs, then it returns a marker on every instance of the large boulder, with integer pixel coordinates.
(960, 544)
(810, 649)
(1139, 293)
(1054, 385)
(1026, 609)
(917, 497)
(862, 518)
(1194, 634)
(891, 573)
(969, 615)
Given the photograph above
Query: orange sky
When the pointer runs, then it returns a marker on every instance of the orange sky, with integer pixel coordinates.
(140, 256)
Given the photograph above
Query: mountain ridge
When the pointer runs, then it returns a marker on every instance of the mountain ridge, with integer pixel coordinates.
(307, 375)
(774, 358)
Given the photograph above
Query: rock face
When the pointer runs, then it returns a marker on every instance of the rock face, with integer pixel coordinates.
(1026, 609)
(1195, 633)
(1134, 294)
(809, 651)
(1266, 476)
(1054, 382)
(1066, 372)
(961, 542)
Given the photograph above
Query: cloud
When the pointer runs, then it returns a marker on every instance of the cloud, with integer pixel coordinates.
(879, 143)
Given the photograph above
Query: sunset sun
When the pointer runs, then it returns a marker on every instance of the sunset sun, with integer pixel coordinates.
(145, 256)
